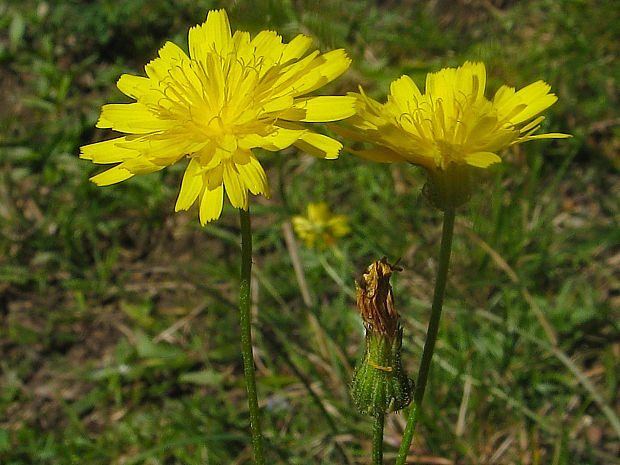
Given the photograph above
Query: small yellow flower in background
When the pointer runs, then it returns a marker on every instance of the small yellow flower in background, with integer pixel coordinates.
(449, 127)
(320, 228)
(230, 95)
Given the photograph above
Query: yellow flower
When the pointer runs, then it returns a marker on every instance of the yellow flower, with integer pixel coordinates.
(230, 95)
(449, 127)
(320, 227)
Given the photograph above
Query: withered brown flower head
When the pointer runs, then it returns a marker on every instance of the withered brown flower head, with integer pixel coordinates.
(380, 383)
(375, 300)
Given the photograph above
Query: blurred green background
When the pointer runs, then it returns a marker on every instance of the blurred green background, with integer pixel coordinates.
(118, 320)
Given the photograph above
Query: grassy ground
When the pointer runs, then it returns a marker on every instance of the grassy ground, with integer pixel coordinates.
(118, 320)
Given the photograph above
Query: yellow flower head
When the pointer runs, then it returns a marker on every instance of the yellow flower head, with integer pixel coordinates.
(230, 95)
(451, 125)
(320, 227)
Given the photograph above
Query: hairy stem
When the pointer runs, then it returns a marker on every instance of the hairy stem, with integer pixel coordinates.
(431, 333)
(377, 439)
(246, 335)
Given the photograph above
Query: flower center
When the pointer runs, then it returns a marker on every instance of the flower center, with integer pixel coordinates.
(215, 96)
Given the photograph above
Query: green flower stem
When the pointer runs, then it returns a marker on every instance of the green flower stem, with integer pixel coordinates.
(377, 439)
(246, 335)
(431, 334)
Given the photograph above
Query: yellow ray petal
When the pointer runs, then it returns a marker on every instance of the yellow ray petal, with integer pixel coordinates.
(164, 149)
(319, 145)
(134, 86)
(349, 132)
(532, 124)
(111, 176)
(170, 55)
(213, 35)
(107, 151)
(470, 80)
(524, 104)
(279, 139)
(235, 189)
(330, 65)
(211, 201)
(503, 95)
(296, 48)
(549, 135)
(482, 159)
(268, 45)
(214, 177)
(278, 104)
(534, 108)
(321, 109)
(314, 71)
(241, 45)
(289, 75)
(499, 140)
(404, 91)
(140, 165)
(191, 186)
(482, 127)
(133, 118)
(254, 177)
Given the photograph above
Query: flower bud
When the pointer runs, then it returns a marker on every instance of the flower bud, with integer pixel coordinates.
(380, 384)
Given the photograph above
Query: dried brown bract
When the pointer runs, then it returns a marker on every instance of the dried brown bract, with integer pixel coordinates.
(375, 300)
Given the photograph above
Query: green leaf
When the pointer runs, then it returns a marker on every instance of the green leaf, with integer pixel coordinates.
(205, 377)
(16, 31)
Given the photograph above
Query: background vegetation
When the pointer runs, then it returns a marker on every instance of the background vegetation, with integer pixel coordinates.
(118, 320)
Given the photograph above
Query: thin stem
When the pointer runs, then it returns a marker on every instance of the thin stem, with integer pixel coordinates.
(431, 333)
(377, 439)
(246, 335)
